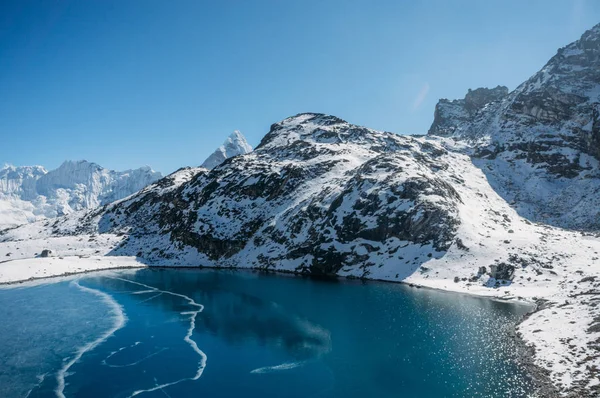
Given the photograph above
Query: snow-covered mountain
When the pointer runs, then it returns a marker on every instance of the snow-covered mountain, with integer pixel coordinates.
(539, 145)
(29, 193)
(315, 195)
(234, 145)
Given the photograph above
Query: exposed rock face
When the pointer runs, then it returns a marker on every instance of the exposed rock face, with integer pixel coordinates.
(540, 144)
(476, 99)
(322, 196)
(30, 193)
(502, 271)
(451, 115)
(234, 145)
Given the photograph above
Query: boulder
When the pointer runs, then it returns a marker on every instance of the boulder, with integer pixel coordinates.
(502, 271)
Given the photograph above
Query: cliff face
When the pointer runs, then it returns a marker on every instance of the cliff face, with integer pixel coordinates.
(452, 210)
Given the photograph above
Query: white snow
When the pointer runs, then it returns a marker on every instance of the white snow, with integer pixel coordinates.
(234, 145)
(20, 261)
(36, 268)
(554, 260)
(30, 193)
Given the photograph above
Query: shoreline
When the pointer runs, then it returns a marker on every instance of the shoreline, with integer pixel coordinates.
(66, 275)
(540, 377)
(512, 299)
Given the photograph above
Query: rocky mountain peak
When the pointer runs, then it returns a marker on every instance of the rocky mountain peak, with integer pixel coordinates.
(237, 141)
(590, 41)
(306, 133)
(234, 145)
(301, 127)
(540, 144)
(79, 164)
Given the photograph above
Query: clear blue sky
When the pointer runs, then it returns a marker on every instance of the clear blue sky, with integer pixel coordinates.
(127, 83)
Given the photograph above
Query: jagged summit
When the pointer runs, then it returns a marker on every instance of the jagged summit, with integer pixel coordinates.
(562, 91)
(234, 145)
(296, 134)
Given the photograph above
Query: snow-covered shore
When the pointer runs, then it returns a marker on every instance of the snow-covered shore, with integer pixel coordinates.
(38, 268)
(21, 261)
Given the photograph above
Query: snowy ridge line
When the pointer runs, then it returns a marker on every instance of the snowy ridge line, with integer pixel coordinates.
(187, 338)
(120, 321)
(234, 145)
(477, 206)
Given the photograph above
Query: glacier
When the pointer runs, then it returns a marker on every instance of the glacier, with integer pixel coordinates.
(31, 193)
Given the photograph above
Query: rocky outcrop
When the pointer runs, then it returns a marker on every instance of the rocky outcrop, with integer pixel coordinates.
(321, 196)
(502, 271)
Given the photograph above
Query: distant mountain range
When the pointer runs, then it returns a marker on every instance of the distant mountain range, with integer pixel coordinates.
(318, 192)
(30, 193)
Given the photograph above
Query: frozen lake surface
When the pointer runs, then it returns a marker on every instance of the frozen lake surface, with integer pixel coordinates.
(217, 333)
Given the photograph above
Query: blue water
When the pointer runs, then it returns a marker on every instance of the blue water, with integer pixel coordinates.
(216, 333)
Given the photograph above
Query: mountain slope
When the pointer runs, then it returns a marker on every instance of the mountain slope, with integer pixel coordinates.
(540, 144)
(30, 193)
(234, 145)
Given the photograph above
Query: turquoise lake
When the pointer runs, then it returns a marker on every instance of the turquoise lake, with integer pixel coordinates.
(221, 333)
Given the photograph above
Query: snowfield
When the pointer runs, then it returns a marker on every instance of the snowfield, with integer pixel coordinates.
(20, 260)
